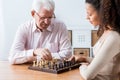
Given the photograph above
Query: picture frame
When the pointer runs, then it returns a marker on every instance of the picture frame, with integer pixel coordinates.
(81, 38)
(70, 35)
(82, 51)
(94, 37)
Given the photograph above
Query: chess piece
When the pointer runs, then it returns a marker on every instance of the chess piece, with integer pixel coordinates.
(34, 64)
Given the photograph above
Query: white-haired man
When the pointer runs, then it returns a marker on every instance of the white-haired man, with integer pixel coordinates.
(43, 37)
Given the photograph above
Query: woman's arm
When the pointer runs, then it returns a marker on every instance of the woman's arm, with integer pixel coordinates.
(109, 48)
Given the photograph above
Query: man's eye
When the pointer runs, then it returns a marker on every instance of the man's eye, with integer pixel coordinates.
(46, 17)
(42, 17)
(49, 17)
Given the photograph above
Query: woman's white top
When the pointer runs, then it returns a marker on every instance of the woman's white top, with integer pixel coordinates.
(105, 50)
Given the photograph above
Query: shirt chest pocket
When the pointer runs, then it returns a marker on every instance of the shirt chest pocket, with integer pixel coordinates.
(53, 47)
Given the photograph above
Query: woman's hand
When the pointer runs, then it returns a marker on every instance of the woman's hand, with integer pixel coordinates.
(78, 58)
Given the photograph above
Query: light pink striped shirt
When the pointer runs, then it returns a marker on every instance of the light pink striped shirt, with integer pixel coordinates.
(28, 38)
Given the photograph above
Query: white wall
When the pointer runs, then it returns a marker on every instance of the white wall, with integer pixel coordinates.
(15, 12)
(1, 31)
(72, 12)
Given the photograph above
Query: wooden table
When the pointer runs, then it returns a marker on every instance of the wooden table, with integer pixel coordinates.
(21, 72)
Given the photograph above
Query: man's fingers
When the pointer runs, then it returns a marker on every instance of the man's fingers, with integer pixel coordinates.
(47, 54)
(44, 53)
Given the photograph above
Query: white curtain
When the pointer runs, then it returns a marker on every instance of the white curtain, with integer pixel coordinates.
(1, 32)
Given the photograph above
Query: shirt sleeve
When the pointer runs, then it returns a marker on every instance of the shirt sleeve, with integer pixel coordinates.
(106, 52)
(18, 54)
(65, 50)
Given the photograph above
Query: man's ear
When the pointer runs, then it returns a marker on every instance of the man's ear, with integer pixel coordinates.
(32, 13)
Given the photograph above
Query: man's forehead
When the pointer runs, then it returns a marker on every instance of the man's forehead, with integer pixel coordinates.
(45, 12)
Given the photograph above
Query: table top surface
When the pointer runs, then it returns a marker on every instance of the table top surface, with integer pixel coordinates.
(21, 72)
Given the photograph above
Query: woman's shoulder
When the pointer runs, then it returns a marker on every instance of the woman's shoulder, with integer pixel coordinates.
(114, 35)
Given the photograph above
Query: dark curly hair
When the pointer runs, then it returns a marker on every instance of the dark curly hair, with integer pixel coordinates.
(110, 14)
(109, 11)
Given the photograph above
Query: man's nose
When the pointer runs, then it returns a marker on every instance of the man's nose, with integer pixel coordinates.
(46, 20)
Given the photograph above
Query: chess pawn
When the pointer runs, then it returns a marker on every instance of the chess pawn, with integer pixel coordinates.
(34, 64)
(37, 63)
(46, 62)
(43, 63)
(51, 63)
(40, 64)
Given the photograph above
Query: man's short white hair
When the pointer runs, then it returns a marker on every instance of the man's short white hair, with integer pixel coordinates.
(47, 4)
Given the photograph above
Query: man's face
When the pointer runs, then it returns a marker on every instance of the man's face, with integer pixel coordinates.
(43, 18)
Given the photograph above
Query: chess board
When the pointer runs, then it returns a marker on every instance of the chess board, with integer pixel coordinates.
(54, 66)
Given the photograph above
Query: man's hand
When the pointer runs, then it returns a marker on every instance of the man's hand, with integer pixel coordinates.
(45, 54)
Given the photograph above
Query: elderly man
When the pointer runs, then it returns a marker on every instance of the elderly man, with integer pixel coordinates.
(43, 37)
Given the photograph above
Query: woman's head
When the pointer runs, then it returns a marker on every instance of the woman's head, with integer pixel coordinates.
(93, 8)
(105, 13)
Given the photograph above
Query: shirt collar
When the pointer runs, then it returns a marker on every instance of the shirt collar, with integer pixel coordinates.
(50, 28)
(34, 26)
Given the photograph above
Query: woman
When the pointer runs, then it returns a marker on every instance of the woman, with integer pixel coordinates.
(106, 62)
